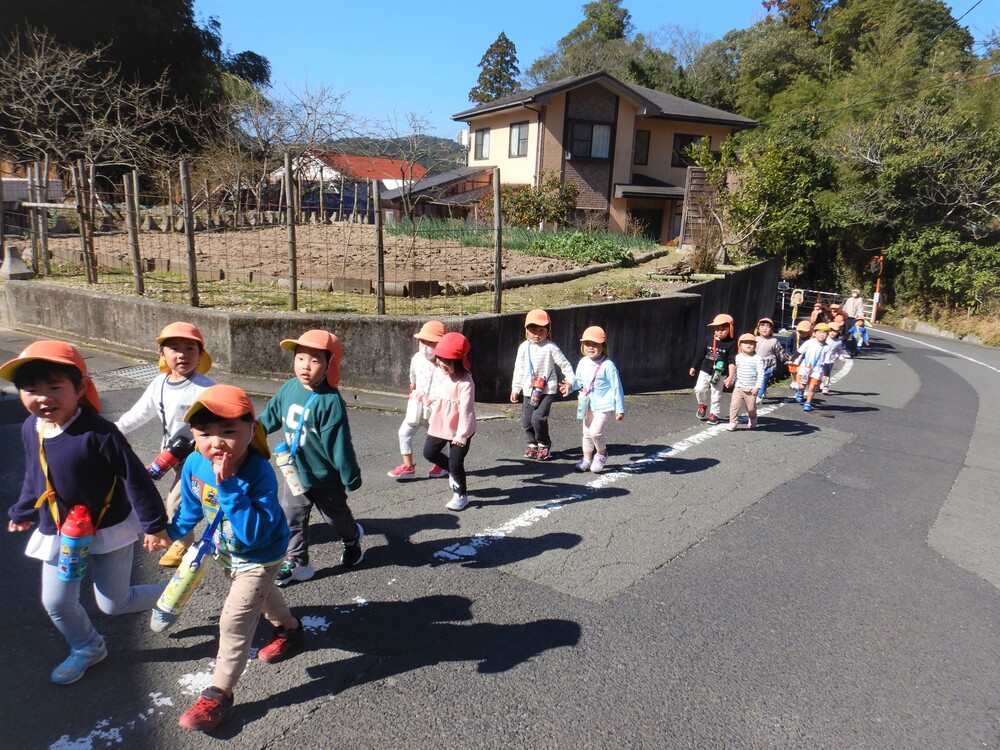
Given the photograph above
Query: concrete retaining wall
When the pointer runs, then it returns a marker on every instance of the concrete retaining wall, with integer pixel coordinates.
(652, 340)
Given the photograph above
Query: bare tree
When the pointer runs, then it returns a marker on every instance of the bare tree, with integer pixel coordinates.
(66, 104)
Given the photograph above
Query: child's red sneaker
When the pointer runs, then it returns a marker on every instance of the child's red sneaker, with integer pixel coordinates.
(282, 643)
(531, 452)
(211, 709)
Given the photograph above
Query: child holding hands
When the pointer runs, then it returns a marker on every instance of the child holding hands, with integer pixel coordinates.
(183, 364)
(453, 415)
(422, 371)
(73, 456)
(538, 359)
(750, 373)
(229, 474)
(601, 396)
(714, 367)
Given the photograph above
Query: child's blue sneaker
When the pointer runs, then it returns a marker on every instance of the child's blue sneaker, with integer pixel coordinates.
(78, 662)
(799, 397)
(160, 621)
(807, 406)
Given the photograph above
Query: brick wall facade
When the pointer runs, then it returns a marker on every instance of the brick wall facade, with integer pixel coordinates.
(592, 177)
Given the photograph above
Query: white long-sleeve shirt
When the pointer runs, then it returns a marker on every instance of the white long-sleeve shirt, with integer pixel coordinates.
(749, 371)
(168, 401)
(539, 359)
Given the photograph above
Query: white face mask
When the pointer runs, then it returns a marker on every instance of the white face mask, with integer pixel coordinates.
(427, 351)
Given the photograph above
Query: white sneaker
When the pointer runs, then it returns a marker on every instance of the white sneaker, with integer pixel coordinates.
(292, 571)
(457, 502)
(583, 464)
(597, 465)
(731, 427)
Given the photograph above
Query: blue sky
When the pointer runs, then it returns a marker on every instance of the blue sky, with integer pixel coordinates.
(421, 56)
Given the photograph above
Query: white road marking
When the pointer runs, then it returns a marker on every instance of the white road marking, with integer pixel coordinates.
(469, 548)
(938, 348)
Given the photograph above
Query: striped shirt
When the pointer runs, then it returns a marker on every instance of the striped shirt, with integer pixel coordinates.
(749, 371)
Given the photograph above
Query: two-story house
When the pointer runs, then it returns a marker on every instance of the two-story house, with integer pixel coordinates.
(622, 145)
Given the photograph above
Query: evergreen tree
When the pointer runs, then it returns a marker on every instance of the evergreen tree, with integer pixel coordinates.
(498, 72)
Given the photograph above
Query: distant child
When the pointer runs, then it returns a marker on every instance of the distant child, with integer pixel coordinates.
(73, 456)
(535, 375)
(600, 396)
(835, 351)
(312, 413)
(229, 474)
(748, 383)
(715, 367)
(803, 333)
(854, 308)
(422, 370)
(857, 336)
(819, 314)
(183, 364)
(771, 352)
(812, 356)
(453, 415)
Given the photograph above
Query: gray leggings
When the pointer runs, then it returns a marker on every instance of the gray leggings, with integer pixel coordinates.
(112, 574)
(535, 420)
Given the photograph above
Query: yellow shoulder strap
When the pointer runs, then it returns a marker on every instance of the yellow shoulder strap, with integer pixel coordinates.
(50, 497)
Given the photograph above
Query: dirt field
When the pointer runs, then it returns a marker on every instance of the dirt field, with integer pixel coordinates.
(323, 252)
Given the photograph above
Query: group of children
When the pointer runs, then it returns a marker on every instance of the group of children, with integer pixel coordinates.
(746, 364)
(75, 457)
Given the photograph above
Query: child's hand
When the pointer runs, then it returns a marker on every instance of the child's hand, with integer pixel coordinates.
(564, 388)
(223, 467)
(619, 417)
(153, 542)
(513, 397)
(458, 443)
(11, 526)
(728, 382)
(693, 372)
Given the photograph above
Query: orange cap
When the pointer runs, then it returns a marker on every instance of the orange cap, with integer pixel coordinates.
(230, 402)
(595, 334)
(748, 338)
(537, 318)
(431, 331)
(766, 320)
(723, 320)
(454, 346)
(804, 326)
(835, 325)
(182, 330)
(61, 353)
(323, 340)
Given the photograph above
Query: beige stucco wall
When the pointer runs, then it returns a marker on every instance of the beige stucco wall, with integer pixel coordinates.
(519, 170)
(661, 145)
(622, 164)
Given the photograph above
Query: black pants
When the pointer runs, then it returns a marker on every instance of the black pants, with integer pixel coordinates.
(331, 502)
(535, 420)
(453, 462)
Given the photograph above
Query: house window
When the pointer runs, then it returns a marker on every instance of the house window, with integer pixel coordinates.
(519, 139)
(590, 140)
(681, 143)
(482, 150)
(641, 155)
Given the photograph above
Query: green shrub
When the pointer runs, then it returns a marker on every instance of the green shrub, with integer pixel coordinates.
(586, 248)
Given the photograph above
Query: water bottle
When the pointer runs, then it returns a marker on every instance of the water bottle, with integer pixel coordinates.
(582, 405)
(186, 578)
(177, 450)
(283, 457)
(538, 389)
(717, 371)
(76, 533)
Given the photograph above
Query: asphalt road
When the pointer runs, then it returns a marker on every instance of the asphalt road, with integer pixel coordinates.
(826, 581)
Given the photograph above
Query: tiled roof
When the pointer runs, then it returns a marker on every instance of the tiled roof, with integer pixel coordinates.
(371, 167)
(651, 103)
(438, 181)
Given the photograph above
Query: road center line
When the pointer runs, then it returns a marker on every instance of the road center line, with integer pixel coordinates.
(469, 548)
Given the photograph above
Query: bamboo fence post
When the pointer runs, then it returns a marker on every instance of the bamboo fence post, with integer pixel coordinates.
(209, 221)
(81, 212)
(192, 260)
(379, 249)
(497, 245)
(43, 188)
(168, 220)
(132, 223)
(33, 197)
(293, 272)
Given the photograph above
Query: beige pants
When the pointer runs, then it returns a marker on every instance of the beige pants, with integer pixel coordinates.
(740, 397)
(251, 594)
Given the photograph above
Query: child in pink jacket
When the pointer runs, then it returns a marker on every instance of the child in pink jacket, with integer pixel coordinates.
(453, 415)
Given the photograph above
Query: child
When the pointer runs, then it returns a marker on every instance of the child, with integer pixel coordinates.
(748, 383)
(453, 415)
(854, 308)
(73, 456)
(601, 395)
(229, 474)
(314, 417)
(858, 336)
(422, 371)
(770, 351)
(535, 375)
(835, 351)
(183, 364)
(714, 367)
(803, 333)
(812, 355)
